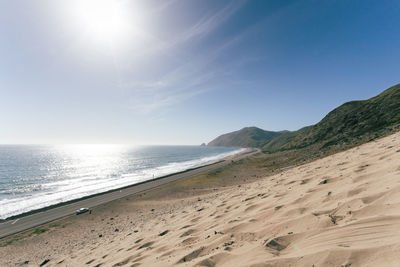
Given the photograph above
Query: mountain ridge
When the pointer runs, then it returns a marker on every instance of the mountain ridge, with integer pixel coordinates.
(353, 122)
(245, 137)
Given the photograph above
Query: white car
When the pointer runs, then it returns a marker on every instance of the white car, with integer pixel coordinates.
(81, 210)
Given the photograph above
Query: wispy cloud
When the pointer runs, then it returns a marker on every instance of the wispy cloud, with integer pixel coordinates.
(190, 75)
(180, 84)
(210, 22)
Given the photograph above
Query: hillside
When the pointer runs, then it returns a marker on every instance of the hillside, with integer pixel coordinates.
(352, 123)
(246, 137)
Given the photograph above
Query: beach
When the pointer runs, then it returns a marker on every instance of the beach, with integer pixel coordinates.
(37, 217)
(341, 210)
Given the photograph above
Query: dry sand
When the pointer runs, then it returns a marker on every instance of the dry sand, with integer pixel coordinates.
(342, 210)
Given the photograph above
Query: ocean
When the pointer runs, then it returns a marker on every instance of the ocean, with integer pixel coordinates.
(37, 176)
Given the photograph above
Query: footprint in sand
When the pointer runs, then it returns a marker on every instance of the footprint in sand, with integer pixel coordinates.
(355, 191)
(279, 243)
(370, 199)
(164, 233)
(124, 262)
(190, 241)
(252, 207)
(194, 254)
(188, 232)
(89, 262)
(362, 168)
(146, 245)
(213, 260)
(195, 219)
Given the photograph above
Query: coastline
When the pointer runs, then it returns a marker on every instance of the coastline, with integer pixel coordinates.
(33, 218)
(328, 212)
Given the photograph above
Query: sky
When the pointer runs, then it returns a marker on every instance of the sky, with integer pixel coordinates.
(184, 72)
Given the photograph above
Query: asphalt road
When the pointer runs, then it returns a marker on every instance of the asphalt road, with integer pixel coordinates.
(10, 227)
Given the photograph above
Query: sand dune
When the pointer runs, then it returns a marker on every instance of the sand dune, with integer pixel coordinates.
(342, 210)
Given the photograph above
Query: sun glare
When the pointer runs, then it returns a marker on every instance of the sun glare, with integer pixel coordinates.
(104, 21)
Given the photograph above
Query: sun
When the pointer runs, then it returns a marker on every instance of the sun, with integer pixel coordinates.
(104, 21)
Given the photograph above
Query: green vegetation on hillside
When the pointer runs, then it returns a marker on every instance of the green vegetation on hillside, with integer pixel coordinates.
(348, 125)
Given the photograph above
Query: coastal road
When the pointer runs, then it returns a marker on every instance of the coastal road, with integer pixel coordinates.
(22, 223)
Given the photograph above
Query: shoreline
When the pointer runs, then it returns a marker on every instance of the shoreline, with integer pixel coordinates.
(94, 200)
(238, 215)
(60, 204)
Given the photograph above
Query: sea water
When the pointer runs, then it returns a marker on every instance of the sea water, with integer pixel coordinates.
(37, 176)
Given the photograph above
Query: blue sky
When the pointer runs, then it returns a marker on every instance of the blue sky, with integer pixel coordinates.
(184, 72)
